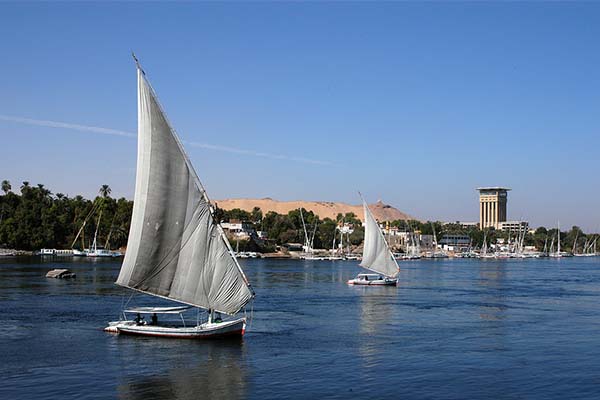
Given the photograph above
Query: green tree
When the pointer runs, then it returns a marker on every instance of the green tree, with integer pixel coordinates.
(6, 187)
(326, 232)
(105, 191)
(358, 235)
(25, 186)
(256, 215)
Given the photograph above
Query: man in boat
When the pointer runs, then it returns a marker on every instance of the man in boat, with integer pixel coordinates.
(139, 320)
(215, 316)
(154, 319)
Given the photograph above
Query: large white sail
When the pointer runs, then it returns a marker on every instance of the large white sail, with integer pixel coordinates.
(376, 253)
(176, 249)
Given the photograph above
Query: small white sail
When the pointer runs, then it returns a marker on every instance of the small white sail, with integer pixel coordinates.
(376, 252)
(176, 249)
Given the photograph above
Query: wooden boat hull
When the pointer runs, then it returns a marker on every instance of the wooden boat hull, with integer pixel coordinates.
(204, 331)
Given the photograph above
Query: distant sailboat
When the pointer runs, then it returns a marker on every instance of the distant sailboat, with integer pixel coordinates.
(377, 256)
(413, 247)
(589, 249)
(99, 251)
(84, 251)
(308, 252)
(436, 253)
(176, 249)
(559, 253)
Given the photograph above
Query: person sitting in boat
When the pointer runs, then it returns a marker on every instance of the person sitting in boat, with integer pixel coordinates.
(139, 319)
(154, 319)
(218, 317)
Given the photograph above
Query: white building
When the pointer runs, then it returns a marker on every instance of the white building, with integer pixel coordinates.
(455, 241)
(514, 226)
(238, 229)
(346, 229)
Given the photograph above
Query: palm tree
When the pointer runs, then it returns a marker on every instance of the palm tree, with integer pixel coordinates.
(6, 187)
(104, 191)
(25, 188)
(43, 191)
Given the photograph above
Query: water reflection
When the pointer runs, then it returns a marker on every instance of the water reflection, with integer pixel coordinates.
(186, 370)
(493, 299)
(376, 311)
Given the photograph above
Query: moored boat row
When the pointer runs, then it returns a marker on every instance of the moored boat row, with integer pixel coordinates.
(97, 252)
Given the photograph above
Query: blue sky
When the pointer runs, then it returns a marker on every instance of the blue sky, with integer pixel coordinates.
(416, 104)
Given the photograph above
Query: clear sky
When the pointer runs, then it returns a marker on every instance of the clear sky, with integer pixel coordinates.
(416, 104)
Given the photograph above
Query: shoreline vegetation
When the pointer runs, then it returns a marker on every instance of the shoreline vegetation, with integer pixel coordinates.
(35, 218)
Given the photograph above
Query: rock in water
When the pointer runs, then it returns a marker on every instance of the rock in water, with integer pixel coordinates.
(60, 274)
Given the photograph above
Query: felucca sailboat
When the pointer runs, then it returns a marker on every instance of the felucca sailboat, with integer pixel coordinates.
(377, 256)
(176, 249)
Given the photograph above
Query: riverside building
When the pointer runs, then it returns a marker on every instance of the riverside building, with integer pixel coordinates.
(492, 206)
(492, 210)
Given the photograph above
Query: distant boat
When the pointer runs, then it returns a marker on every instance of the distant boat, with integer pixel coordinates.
(559, 253)
(436, 253)
(98, 251)
(413, 250)
(94, 250)
(307, 247)
(589, 249)
(176, 248)
(7, 253)
(377, 256)
(484, 248)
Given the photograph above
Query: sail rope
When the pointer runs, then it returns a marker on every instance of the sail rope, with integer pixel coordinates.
(125, 303)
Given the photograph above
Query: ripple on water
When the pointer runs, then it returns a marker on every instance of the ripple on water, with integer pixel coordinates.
(452, 329)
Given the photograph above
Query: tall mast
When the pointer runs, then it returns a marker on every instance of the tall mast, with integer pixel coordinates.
(558, 238)
(95, 244)
(333, 244)
(546, 244)
(306, 243)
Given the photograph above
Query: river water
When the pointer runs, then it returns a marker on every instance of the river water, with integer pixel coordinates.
(452, 329)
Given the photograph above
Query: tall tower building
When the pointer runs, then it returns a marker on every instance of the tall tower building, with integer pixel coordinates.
(492, 206)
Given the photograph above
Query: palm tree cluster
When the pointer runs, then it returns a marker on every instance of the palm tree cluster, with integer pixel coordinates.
(36, 218)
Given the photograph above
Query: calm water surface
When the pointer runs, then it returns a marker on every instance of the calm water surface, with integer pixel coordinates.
(453, 329)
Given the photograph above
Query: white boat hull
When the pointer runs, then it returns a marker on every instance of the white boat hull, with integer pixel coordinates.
(203, 331)
(377, 282)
